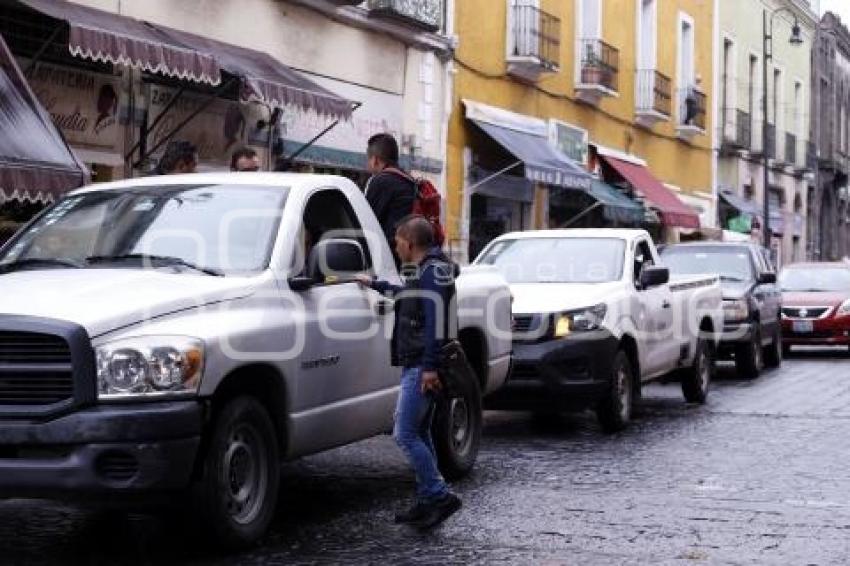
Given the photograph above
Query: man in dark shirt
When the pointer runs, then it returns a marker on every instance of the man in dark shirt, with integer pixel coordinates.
(426, 317)
(390, 191)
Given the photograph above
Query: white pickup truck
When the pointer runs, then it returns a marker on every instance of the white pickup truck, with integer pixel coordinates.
(186, 334)
(596, 317)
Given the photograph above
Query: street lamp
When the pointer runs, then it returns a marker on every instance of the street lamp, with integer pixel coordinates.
(796, 39)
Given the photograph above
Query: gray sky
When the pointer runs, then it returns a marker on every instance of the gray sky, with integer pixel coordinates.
(840, 7)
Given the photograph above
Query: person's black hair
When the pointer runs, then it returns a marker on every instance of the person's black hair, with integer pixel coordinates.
(384, 147)
(417, 230)
(242, 152)
(175, 152)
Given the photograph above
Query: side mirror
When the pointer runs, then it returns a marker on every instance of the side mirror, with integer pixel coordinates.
(767, 279)
(653, 277)
(301, 283)
(335, 259)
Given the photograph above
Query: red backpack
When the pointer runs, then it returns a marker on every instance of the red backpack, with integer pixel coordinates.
(427, 203)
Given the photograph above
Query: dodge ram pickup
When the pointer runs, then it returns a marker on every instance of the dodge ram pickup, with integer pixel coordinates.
(185, 334)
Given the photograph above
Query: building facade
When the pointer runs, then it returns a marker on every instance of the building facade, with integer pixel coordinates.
(389, 57)
(621, 86)
(743, 142)
(830, 108)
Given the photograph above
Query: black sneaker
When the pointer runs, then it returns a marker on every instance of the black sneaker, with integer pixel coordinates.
(438, 511)
(415, 513)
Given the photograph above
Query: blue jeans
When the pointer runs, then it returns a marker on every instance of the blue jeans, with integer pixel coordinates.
(413, 416)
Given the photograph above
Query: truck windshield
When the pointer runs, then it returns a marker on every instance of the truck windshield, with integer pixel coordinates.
(731, 264)
(557, 260)
(216, 229)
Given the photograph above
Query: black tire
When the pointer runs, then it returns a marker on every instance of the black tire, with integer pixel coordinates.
(615, 410)
(749, 362)
(786, 350)
(456, 431)
(236, 497)
(696, 380)
(773, 352)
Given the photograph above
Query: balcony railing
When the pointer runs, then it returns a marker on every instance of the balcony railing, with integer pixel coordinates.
(693, 107)
(770, 141)
(600, 64)
(655, 92)
(811, 156)
(790, 148)
(536, 36)
(743, 129)
(426, 14)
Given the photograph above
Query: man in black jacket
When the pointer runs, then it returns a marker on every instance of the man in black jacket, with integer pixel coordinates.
(390, 192)
(426, 317)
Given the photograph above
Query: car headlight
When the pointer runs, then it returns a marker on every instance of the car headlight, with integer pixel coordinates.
(580, 321)
(844, 309)
(736, 310)
(149, 366)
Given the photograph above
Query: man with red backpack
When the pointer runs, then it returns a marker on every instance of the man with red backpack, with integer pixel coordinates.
(394, 194)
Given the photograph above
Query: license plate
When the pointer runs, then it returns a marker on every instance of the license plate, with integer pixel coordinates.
(804, 326)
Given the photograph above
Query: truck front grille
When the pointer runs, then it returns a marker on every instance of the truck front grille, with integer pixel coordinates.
(35, 369)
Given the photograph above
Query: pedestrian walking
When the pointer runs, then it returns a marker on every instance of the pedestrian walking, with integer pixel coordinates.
(244, 160)
(180, 156)
(390, 192)
(426, 318)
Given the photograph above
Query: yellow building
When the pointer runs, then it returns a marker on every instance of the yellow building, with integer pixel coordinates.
(617, 85)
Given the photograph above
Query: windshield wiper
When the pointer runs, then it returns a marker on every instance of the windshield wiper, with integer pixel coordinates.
(730, 278)
(38, 262)
(159, 259)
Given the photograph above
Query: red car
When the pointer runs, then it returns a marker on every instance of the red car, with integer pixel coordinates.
(815, 305)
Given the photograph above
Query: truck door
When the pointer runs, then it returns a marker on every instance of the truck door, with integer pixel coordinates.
(654, 317)
(344, 372)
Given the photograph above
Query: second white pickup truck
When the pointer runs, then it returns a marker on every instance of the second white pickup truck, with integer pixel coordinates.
(596, 316)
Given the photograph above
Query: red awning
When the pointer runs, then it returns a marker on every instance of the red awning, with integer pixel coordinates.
(673, 211)
(36, 165)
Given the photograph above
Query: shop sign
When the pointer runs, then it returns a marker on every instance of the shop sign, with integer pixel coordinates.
(220, 128)
(380, 112)
(569, 140)
(83, 105)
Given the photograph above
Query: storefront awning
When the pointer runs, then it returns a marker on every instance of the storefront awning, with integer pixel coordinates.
(525, 138)
(111, 38)
(672, 210)
(617, 206)
(264, 79)
(102, 36)
(36, 164)
(753, 209)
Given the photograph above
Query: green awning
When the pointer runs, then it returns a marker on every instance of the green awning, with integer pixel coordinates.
(617, 206)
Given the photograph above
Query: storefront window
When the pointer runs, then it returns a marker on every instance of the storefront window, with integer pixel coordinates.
(491, 217)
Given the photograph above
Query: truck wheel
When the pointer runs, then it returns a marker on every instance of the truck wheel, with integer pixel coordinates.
(237, 495)
(748, 357)
(696, 380)
(456, 431)
(773, 353)
(615, 410)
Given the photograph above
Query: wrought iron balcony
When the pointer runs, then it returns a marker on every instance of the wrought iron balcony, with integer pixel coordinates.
(535, 42)
(790, 149)
(425, 14)
(769, 149)
(737, 131)
(811, 156)
(692, 112)
(654, 97)
(600, 70)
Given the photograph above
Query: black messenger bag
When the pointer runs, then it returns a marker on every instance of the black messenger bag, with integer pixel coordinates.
(455, 372)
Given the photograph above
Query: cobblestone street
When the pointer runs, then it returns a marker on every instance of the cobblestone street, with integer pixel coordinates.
(759, 476)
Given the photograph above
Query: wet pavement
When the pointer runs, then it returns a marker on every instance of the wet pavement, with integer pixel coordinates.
(759, 476)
